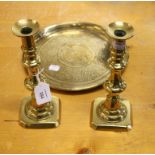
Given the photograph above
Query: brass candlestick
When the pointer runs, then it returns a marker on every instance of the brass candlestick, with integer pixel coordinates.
(26, 29)
(31, 114)
(113, 111)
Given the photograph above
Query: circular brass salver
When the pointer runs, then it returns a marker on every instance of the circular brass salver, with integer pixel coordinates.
(80, 50)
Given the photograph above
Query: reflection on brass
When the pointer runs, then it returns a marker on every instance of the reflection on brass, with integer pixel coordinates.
(31, 114)
(113, 111)
(80, 49)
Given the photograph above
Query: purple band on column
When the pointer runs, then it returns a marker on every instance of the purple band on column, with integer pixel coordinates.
(118, 45)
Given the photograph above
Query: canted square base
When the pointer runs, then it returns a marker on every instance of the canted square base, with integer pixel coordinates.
(100, 123)
(51, 122)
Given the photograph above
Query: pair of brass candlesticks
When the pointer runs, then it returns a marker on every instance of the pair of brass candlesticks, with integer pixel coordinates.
(108, 112)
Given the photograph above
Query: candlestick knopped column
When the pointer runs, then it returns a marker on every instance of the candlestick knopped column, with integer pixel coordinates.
(27, 29)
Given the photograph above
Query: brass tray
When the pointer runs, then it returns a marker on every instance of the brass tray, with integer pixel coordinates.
(80, 50)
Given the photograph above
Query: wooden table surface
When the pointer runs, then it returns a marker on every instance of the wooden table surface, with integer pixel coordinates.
(74, 134)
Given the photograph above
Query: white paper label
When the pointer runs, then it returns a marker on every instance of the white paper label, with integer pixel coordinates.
(42, 93)
(54, 67)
